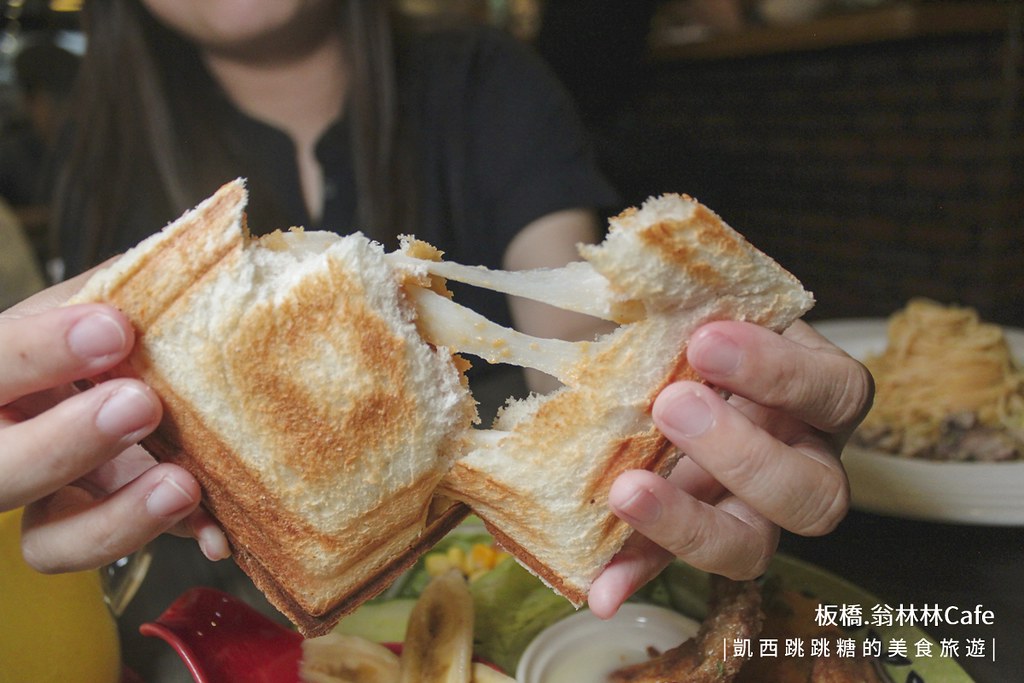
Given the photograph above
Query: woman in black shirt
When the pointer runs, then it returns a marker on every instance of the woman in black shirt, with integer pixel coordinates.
(340, 122)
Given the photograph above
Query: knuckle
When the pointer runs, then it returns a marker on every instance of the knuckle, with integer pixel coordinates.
(751, 567)
(774, 384)
(743, 469)
(685, 542)
(824, 510)
(853, 397)
(752, 549)
(760, 563)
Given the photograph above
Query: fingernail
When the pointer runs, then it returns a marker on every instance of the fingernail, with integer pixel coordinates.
(686, 413)
(125, 412)
(643, 507)
(167, 499)
(96, 336)
(718, 355)
(214, 544)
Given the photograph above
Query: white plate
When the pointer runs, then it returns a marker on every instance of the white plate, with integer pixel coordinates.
(585, 649)
(967, 493)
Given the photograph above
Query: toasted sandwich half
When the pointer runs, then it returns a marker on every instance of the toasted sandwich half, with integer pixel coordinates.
(299, 393)
(314, 386)
(540, 478)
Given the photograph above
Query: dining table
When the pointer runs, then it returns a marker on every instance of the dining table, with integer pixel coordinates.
(973, 573)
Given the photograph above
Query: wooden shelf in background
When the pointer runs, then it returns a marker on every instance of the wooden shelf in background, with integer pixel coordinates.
(895, 22)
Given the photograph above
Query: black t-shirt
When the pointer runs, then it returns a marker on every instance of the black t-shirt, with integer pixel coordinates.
(22, 165)
(497, 145)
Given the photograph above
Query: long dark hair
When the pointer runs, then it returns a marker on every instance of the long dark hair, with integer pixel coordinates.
(124, 145)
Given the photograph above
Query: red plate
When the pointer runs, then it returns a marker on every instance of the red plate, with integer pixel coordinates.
(222, 640)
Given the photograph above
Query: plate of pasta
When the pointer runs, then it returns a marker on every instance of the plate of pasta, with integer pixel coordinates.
(944, 440)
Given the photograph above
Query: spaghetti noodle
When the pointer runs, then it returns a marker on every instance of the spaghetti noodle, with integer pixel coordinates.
(942, 363)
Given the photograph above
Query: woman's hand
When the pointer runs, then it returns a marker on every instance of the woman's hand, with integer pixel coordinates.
(91, 494)
(766, 458)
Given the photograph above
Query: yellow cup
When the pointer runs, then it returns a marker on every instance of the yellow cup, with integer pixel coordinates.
(60, 627)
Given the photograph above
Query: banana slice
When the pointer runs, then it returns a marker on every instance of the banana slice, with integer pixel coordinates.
(485, 674)
(341, 658)
(439, 639)
(438, 645)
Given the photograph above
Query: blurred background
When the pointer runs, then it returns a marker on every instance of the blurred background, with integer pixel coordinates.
(873, 147)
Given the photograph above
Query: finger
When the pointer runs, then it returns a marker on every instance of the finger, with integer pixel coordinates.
(725, 538)
(728, 538)
(128, 466)
(117, 472)
(73, 438)
(799, 486)
(801, 374)
(71, 530)
(201, 526)
(639, 561)
(62, 345)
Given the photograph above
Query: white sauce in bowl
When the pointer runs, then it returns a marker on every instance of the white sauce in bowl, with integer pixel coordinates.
(585, 649)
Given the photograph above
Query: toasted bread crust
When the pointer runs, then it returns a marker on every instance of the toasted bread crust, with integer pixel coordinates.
(166, 261)
(650, 451)
(311, 625)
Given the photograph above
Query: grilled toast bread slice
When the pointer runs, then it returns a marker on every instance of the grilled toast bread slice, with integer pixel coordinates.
(314, 386)
(299, 393)
(540, 478)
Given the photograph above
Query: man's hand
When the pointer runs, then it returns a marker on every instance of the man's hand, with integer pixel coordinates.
(766, 458)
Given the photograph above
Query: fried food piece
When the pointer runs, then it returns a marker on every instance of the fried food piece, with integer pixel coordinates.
(843, 670)
(734, 613)
(789, 614)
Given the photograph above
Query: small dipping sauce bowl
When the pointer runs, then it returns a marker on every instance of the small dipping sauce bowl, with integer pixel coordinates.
(584, 649)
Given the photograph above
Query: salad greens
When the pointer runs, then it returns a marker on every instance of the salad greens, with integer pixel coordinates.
(511, 605)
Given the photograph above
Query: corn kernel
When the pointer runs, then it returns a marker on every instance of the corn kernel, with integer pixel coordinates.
(437, 564)
(479, 555)
(457, 556)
